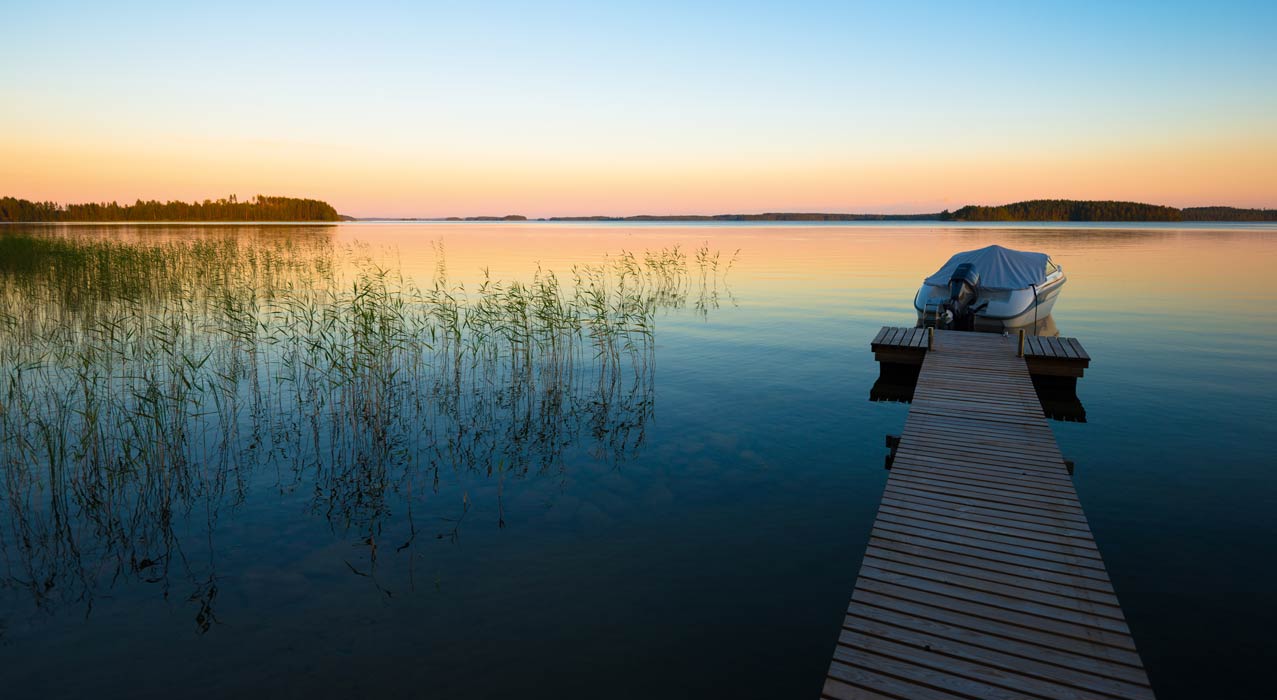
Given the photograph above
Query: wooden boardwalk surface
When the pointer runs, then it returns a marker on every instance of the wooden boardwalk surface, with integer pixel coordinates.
(981, 578)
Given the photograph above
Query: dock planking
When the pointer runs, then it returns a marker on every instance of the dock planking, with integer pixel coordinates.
(981, 578)
(1044, 356)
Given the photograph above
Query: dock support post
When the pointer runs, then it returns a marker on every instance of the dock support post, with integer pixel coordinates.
(931, 337)
(1020, 351)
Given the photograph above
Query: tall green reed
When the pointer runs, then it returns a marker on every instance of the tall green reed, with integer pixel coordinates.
(144, 382)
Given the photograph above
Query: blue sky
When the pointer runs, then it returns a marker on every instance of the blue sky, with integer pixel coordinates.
(454, 107)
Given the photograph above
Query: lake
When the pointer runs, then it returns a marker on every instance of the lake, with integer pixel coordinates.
(564, 460)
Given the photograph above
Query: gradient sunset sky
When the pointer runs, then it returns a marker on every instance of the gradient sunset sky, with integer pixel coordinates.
(424, 109)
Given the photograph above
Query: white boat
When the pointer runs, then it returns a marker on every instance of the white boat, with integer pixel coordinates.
(990, 289)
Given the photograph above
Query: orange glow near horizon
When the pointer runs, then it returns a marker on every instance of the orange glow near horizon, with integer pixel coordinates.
(1240, 173)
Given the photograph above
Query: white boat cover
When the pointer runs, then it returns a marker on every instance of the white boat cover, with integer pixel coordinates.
(999, 268)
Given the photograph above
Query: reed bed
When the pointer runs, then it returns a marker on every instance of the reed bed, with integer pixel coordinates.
(142, 383)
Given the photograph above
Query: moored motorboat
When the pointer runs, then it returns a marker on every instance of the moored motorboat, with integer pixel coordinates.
(990, 289)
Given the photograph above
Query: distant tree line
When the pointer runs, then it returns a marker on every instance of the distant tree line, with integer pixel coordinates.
(1228, 214)
(259, 208)
(1068, 210)
(1076, 210)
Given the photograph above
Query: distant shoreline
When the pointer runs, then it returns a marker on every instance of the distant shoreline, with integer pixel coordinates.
(1041, 210)
(288, 210)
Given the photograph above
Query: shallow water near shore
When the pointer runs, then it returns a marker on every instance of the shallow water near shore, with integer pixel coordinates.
(673, 501)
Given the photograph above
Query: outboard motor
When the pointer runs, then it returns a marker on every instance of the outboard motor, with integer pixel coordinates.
(956, 312)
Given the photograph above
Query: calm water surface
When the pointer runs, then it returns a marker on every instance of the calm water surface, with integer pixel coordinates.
(704, 538)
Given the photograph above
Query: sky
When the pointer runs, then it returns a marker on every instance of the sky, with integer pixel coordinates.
(549, 108)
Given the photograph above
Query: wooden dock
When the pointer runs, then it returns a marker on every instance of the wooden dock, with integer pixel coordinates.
(981, 578)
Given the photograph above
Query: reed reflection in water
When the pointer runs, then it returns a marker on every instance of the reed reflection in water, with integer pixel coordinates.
(147, 386)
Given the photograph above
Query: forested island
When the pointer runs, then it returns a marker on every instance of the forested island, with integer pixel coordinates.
(259, 208)
(1067, 210)
(1228, 214)
(1076, 210)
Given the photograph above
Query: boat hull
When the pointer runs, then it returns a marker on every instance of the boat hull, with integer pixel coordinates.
(1005, 309)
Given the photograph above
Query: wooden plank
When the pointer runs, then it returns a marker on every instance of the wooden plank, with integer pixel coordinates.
(998, 506)
(1033, 536)
(940, 437)
(989, 517)
(969, 676)
(947, 438)
(878, 338)
(855, 673)
(934, 476)
(976, 553)
(935, 560)
(1040, 471)
(1077, 683)
(968, 470)
(1077, 347)
(1028, 430)
(839, 690)
(1040, 547)
(990, 607)
(978, 492)
(985, 508)
(978, 449)
(1049, 477)
(975, 545)
(1102, 668)
(1065, 349)
(1065, 607)
(981, 577)
(995, 627)
(1055, 572)
(921, 674)
(1024, 430)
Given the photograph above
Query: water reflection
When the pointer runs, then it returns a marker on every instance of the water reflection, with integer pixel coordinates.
(1043, 327)
(147, 387)
(752, 470)
(1059, 398)
(895, 383)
